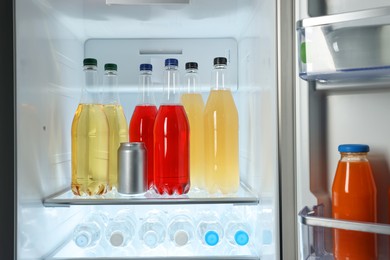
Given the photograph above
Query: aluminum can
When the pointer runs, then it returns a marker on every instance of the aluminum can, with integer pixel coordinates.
(132, 168)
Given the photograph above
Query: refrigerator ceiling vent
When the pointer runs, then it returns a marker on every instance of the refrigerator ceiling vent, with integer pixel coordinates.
(146, 2)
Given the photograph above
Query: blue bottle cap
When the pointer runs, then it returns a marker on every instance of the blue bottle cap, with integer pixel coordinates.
(145, 66)
(354, 148)
(82, 240)
(151, 239)
(241, 238)
(172, 62)
(211, 238)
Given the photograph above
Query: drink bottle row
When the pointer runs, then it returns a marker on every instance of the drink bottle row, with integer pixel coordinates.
(188, 144)
(153, 229)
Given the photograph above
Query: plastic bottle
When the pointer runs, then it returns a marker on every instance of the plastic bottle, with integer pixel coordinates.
(121, 229)
(194, 106)
(221, 134)
(89, 232)
(171, 138)
(116, 121)
(237, 230)
(153, 229)
(354, 198)
(142, 120)
(90, 139)
(209, 229)
(181, 228)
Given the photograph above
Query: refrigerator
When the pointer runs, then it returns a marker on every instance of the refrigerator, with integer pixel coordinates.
(306, 76)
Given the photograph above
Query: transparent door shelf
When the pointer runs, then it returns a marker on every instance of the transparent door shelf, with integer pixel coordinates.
(345, 47)
(66, 198)
(313, 234)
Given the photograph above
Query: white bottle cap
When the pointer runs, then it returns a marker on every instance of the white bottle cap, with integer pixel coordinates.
(117, 239)
(181, 238)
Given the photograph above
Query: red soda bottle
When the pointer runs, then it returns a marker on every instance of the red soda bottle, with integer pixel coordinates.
(142, 120)
(171, 138)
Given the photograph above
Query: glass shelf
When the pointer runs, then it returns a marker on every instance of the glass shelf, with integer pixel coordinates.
(159, 258)
(66, 198)
(345, 47)
(313, 226)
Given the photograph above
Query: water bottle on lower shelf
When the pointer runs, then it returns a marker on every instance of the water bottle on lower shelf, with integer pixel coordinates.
(237, 230)
(152, 231)
(121, 229)
(89, 232)
(181, 228)
(209, 229)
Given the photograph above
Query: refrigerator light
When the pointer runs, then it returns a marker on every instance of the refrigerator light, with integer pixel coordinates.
(160, 52)
(146, 2)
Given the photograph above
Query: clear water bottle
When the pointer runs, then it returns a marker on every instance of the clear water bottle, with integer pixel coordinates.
(121, 229)
(209, 229)
(153, 229)
(181, 228)
(237, 230)
(89, 232)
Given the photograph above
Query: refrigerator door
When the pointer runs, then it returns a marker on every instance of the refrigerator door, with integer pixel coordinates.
(7, 133)
(342, 98)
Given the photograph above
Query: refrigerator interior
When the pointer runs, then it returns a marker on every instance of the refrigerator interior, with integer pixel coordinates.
(52, 38)
(343, 99)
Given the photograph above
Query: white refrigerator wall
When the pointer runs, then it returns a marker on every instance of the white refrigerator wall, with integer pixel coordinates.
(53, 37)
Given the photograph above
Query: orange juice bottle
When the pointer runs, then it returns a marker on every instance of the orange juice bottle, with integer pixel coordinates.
(354, 198)
(221, 135)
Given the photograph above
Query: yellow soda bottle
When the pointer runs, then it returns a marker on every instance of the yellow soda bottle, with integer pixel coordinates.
(221, 135)
(116, 121)
(89, 139)
(194, 106)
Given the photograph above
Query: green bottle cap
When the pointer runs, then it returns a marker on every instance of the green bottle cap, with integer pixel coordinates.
(90, 61)
(110, 66)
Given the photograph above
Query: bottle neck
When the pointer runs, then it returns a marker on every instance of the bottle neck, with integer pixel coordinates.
(355, 157)
(171, 85)
(145, 91)
(219, 80)
(191, 81)
(90, 91)
(110, 84)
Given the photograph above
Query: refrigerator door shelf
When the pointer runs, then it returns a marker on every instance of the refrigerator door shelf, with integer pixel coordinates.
(344, 47)
(66, 198)
(315, 231)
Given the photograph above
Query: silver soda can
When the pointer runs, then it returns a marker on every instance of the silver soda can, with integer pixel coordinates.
(132, 168)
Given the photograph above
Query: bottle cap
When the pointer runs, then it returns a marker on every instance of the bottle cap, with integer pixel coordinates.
(82, 240)
(220, 61)
(145, 66)
(191, 65)
(172, 62)
(150, 239)
(211, 238)
(90, 61)
(110, 66)
(181, 238)
(241, 238)
(117, 239)
(353, 148)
